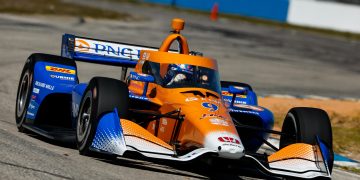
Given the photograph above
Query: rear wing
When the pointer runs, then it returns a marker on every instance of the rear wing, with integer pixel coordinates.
(100, 51)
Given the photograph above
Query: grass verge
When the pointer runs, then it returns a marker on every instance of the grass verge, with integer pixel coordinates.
(351, 169)
(56, 7)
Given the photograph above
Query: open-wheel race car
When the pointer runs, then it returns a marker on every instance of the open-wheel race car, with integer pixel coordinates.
(172, 106)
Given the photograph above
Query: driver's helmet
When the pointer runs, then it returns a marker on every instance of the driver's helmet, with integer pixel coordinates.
(178, 70)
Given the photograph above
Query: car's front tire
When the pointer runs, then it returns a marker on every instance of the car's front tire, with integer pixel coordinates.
(23, 95)
(101, 96)
(303, 125)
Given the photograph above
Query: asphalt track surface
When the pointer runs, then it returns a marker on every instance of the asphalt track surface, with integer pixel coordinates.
(273, 60)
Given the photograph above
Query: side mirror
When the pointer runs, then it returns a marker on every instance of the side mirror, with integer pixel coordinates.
(141, 77)
(237, 90)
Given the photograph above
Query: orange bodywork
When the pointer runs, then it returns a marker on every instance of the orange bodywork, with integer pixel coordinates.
(197, 123)
(197, 118)
(299, 150)
(132, 129)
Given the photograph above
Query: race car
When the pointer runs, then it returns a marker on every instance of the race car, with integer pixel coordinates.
(171, 106)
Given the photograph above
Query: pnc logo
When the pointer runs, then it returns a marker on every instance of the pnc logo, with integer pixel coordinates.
(59, 70)
(229, 139)
(82, 45)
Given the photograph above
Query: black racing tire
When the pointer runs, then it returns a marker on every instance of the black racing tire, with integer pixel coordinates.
(101, 96)
(303, 124)
(25, 85)
(230, 83)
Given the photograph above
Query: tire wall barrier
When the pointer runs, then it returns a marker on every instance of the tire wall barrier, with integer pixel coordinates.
(310, 13)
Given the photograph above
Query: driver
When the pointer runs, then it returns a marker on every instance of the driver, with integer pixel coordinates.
(178, 73)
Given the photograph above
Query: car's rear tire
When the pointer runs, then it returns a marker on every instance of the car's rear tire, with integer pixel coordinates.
(25, 85)
(101, 96)
(303, 124)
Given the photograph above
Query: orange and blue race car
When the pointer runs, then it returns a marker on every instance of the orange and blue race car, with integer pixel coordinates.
(171, 106)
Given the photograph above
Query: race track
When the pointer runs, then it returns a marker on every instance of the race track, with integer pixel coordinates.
(273, 60)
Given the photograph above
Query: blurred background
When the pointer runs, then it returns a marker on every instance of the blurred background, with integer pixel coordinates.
(292, 52)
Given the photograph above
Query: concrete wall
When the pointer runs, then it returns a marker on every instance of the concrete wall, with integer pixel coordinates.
(327, 15)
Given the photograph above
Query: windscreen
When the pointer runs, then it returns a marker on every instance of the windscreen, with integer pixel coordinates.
(183, 76)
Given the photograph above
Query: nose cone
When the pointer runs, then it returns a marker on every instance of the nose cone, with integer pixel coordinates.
(228, 145)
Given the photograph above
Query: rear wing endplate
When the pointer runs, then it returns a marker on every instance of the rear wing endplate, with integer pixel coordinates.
(100, 51)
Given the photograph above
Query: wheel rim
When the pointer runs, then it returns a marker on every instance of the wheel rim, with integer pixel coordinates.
(83, 124)
(22, 94)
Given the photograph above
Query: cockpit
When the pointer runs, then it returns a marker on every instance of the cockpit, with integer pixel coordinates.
(182, 76)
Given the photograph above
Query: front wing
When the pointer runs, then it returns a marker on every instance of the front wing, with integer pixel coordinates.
(115, 136)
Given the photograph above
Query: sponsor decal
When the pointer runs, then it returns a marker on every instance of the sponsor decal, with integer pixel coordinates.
(211, 100)
(235, 102)
(32, 109)
(164, 121)
(75, 109)
(239, 87)
(244, 111)
(30, 114)
(138, 97)
(82, 45)
(36, 90)
(139, 76)
(226, 93)
(59, 70)
(43, 85)
(146, 56)
(232, 145)
(189, 99)
(210, 106)
(212, 115)
(217, 121)
(255, 108)
(110, 49)
(229, 140)
(66, 78)
(33, 97)
(31, 106)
